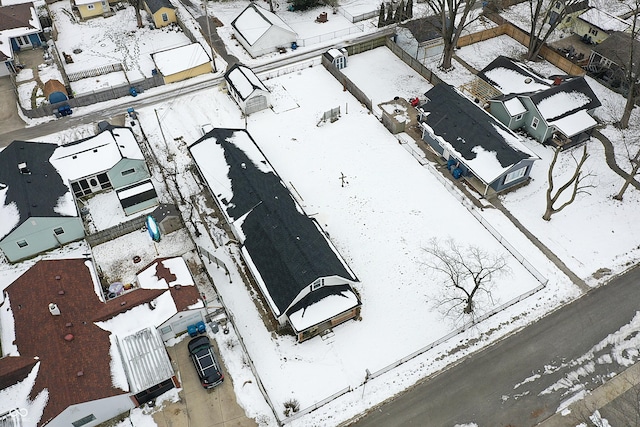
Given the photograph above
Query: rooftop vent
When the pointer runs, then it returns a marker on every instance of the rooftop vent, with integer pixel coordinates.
(528, 80)
(53, 309)
(22, 167)
(80, 373)
(61, 292)
(68, 337)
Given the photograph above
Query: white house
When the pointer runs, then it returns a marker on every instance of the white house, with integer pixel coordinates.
(246, 89)
(260, 31)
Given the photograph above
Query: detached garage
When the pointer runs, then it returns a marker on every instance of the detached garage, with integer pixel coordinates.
(260, 31)
(247, 89)
(182, 62)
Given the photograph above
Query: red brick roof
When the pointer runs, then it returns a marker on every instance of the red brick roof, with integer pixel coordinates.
(68, 284)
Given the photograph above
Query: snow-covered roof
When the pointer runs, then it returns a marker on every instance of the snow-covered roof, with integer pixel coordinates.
(487, 147)
(254, 21)
(509, 76)
(514, 106)
(84, 2)
(244, 80)
(145, 359)
(336, 302)
(603, 20)
(565, 99)
(95, 154)
(575, 123)
(285, 249)
(177, 273)
(173, 61)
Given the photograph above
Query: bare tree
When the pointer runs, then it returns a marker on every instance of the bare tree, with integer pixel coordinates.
(545, 17)
(577, 184)
(453, 16)
(635, 166)
(465, 272)
(136, 5)
(632, 67)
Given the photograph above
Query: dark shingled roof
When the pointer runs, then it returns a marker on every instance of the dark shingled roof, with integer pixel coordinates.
(576, 84)
(35, 194)
(508, 63)
(616, 48)
(38, 333)
(465, 126)
(425, 29)
(288, 248)
(156, 5)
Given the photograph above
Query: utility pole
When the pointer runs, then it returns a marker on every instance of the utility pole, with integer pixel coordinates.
(213, 54)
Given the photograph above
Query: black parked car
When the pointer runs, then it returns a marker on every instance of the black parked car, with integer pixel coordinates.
(205, 362)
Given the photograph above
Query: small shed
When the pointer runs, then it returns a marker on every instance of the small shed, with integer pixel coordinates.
(247, 89)
(595, 25)
(55, 91)
(162, 12)
(337, 57)
(260, 31)
(168, 218)
(183, 62)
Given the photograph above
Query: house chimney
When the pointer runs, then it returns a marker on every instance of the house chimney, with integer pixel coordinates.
(53, 309)
(557, 80)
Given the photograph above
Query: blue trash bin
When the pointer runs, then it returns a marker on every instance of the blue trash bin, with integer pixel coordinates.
(201, 327)
(193, 331)
(133, 92)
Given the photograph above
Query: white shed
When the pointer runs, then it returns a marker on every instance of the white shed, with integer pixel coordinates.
(260, 31)
(247, 89)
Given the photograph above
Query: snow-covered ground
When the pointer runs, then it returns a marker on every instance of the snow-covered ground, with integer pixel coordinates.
(380, 221)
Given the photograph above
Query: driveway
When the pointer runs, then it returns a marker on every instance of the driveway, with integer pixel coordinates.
(9, 118)
(199, 407)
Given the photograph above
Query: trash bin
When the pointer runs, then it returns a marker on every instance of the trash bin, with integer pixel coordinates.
(294, 45)
(133, 92)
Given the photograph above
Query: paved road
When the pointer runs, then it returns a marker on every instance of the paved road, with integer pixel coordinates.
(482, 389)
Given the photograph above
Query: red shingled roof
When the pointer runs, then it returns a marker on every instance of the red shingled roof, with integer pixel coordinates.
(14, 369)
(38, 333)
(183, 296)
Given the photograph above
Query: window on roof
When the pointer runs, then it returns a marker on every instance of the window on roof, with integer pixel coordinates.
(84, 421)
(165, 17)
(128, 172)
(58, 231)
(22, 243)
(535, 122)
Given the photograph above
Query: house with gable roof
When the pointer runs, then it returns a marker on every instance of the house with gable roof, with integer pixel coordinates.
(70, 357)
(557, 110)
(37, 210)
(260, 31)
(247, 89)
(40, 183)
(473, 143)
(110, 159)
(163, 12)
(88, 9)
(302, 277)
(19, 29)
(595, 25)
(183, 62)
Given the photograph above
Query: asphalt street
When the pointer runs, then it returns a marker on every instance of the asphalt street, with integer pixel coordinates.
(482, 388)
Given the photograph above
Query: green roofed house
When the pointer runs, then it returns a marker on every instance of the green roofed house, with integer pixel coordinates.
(303, 279)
